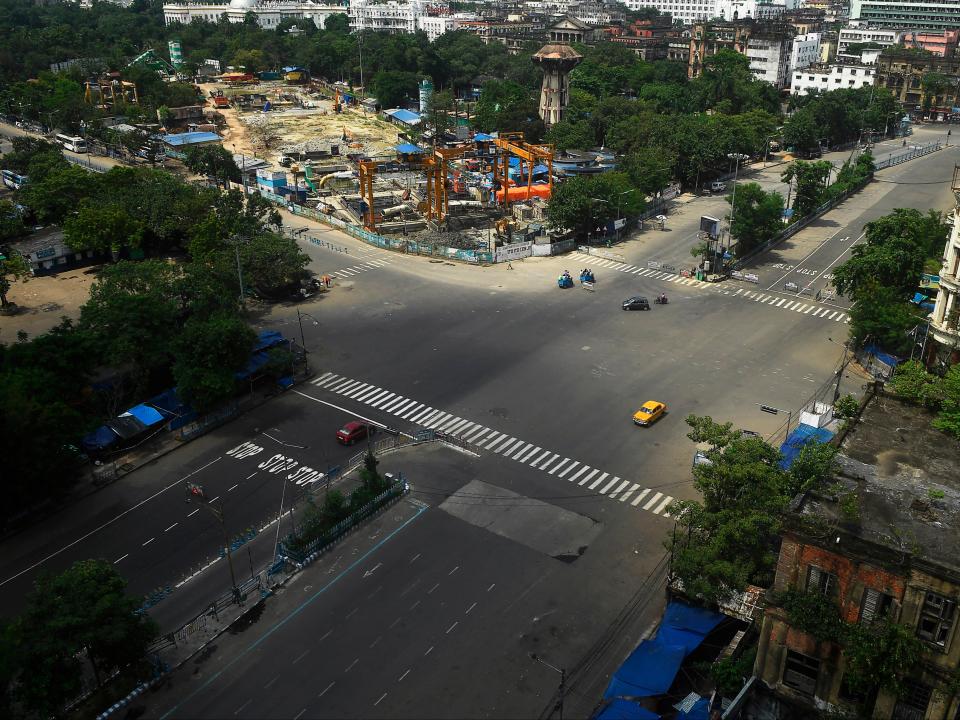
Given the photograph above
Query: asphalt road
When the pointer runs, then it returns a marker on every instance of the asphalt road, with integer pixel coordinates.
(545, 382)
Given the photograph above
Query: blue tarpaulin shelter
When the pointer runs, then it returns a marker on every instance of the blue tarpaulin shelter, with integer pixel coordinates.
(620, 709)
(407, 117)
(482, 137)
(653, 665)
(798, 438)
(883, 357)
(145, 414)
(268, 339)
(700, 711)
(409, 149)
(100, 439)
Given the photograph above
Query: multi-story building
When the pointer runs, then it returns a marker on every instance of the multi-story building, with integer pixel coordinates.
(686, 11)
(649, 39)
(940, 43)
(709, 38)
(269, 13)
(805, 51)
(828, 47)
(877, 549)
(768, 49)
(401, 17)
(857, 35)
(923, 14)
(823, 78)
(907, 74)
(945, 321)
(805, 20)
(595, 12)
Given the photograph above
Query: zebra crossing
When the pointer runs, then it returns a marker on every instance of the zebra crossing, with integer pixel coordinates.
(363, 267)
(503, 444)
(772, 299)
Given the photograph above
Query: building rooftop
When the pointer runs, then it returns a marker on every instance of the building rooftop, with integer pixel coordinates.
(899, 496)
(190, 138)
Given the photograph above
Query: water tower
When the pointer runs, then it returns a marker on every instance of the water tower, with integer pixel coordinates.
(557, 61)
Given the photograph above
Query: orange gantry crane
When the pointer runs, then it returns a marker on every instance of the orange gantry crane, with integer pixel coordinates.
(436, 167)
(367, 169)
(512, 144)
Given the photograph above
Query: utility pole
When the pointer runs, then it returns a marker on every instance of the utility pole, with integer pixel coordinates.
(733, 196)
(562, 690)
(196, 491)
(303, 342)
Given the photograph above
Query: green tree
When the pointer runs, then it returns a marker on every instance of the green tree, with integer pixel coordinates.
(83, 614)
(815, 463)
(801, 132)
(253, 61)
(12, 268)
(585, 204)
(438, 115)
(757, 216)
(208, 353)
(102, 227)
(948, 419)
(509, 105)
(213, 161)
(811, 184)
(650, 169)
(393, 88)
(884, 316)
(54, 195)
(912, 381)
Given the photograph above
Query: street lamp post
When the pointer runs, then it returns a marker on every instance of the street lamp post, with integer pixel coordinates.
(303, 342)
(733, 195)
(562, 690)
(196, 491)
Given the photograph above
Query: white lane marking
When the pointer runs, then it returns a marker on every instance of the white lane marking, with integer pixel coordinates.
(840, 317)
(470, 608)
(412, 410)
(418, 416)
(613, 495)
(455, 623)
(240, 709)
(430, 591)
(559, 465)
(351, 665)
(300, 656)
(427, 416)
(603, 490)
(171, 527)
(653, 501)
(628, 493)
(492, 440)
(639, 498)
(577, 474)
(233, 488)
(436, 420)
(575, 463)
(399, 400)
(463, 429)
(832, 315)
(782, 301)
(510, 442)
(327, 688)
(381, 401)
(194, 512)
(403, 676)
(300, 714)
(477, 433)
(367, 394)
(450, 425)
(541, 457)
(597, 481)
(148, 542)
(348, 386)
(322, 377)
(660, 508)
(492, 586)
(526, 446)
(404, 406)
(586, 478)
(530, 454)
(429, 650)
(453, 571)
(125, 555)
(812, 307)
(801, 308)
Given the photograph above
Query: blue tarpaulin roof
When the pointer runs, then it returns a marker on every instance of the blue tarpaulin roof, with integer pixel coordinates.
(190, 138)
(405, 116)
(798, 438)
(146, 415)
(883, 357)
(257, 361)
(268, 339)
(408, 149)
(653, 665)
(168, 403)
(482, 137)
(700, 711)
(620, 709)
(100, 439)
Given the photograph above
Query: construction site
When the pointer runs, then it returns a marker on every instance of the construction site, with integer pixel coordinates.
(321, 146)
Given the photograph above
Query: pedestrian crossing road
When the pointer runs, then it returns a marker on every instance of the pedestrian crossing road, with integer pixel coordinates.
(780, 302)
(552, 463)
(362, 267)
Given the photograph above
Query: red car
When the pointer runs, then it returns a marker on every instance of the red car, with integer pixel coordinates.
(354, 431)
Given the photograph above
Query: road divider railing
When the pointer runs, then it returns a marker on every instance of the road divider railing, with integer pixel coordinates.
(301, 554)
(914, 152)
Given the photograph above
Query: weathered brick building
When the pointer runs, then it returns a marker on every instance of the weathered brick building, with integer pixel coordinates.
(883, 543)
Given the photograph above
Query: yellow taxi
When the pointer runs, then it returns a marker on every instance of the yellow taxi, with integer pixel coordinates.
(649, 412)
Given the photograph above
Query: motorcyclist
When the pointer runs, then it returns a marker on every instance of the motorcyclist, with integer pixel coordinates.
(662, 299)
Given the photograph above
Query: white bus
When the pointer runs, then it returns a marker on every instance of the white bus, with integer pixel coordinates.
(12, 180)
(76, 144)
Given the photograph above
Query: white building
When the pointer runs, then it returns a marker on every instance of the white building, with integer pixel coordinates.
(270, 13)
(945, 321)
(401, 17)
(805, 52)
(830, 77)
(769, 55)
(855, 35)
(691, 11)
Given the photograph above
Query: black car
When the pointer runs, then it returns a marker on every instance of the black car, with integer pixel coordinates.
(636, 303)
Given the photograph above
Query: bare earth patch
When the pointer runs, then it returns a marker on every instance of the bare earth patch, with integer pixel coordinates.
(43, 301)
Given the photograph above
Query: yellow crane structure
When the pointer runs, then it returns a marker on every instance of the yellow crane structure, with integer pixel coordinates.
(367, 169)
(513, 144)
(436, 167)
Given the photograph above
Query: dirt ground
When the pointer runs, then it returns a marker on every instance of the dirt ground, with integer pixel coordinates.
(43, 301)
(263, 134)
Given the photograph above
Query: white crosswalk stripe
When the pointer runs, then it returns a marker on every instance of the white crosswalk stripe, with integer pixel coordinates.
(367, 266)
(515, 449)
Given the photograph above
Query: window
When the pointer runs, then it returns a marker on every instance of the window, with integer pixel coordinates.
(912, 704)
(821, 581)
(936, 619)
(800, 672)
(875, 605)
